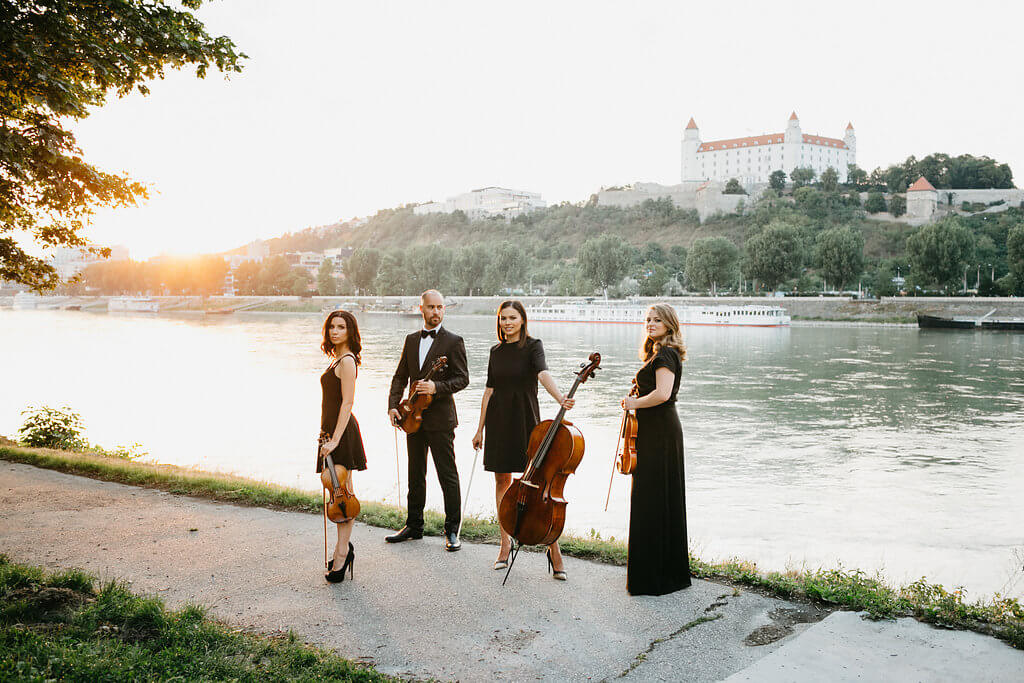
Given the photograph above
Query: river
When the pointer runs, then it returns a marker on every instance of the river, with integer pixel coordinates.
(883, 448)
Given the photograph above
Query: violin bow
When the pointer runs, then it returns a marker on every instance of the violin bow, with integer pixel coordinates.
(465, 500)
(398, 469)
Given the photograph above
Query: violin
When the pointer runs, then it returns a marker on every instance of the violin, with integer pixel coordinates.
(340, 505)
(532, 510)
(625, 447)
(411, 409)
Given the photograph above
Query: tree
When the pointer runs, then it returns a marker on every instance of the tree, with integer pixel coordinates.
(875, 203)
(326, 283)
(391, 277)
(274, 277)
(852, 198)
(299, 281)
(856, 177)
(829, 180)
(653, 278)
(733, 187)
(940, 252)
(362, 267)
(653, 252)
(247, 277)
(775, 254)
(1015, 251)
(839, 253)
(604, 260)
(711, 261)
(897, 205)
(508, 266)
(677, 258)
(469, 266)
(802, 176)
(59, 61)
(209, 275)
(777, 181)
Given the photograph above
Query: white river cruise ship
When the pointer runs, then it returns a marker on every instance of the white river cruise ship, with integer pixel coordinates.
(600, 312)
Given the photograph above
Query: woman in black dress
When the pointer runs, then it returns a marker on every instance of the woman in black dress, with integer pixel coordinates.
(509, 412)
(339, 431)
(658, 561)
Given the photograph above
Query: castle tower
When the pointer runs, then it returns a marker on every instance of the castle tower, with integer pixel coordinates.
(851, 142)
(793, 139)
(691, 142)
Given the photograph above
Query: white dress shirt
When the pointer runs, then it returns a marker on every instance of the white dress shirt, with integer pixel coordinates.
(426, 343)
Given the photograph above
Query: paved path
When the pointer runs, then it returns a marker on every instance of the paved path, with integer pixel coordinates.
(417, 611)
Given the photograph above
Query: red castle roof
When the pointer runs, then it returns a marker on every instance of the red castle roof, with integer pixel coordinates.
(921, 185)
(691, 124)
(770, 139)
(793, 117)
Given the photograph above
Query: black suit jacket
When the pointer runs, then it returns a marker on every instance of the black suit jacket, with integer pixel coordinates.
(440, 416)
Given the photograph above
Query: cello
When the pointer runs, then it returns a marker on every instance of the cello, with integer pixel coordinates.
(532, 510)
(411, 409)
(625, 447)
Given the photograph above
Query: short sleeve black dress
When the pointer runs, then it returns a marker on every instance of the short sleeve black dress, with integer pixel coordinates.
(658, 561)
(349, 453)
(512, 411)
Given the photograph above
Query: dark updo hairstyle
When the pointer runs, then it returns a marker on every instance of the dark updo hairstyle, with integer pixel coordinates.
(354, 345)
(512, 303)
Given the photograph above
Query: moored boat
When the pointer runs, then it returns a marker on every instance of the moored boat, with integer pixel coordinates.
(133, 304)
(926, 321)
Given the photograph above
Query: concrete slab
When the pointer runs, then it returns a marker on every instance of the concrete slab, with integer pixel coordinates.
(845, 647)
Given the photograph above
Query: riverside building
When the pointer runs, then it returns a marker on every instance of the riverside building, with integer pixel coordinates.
(751, 160)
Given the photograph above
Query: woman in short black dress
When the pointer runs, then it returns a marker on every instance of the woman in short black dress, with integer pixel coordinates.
(339, 431)
(509, 411)
(658, 560)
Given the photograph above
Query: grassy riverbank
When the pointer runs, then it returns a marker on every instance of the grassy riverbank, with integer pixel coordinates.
(62, 627)
(834, 588)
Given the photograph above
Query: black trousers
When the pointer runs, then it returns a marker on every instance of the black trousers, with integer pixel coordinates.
(442, 448)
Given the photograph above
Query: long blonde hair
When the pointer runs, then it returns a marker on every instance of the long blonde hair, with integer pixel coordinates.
(672, 340)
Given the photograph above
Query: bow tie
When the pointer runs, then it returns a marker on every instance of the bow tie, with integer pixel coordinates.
(428, 333)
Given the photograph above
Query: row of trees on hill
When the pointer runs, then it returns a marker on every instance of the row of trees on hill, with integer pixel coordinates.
(195, 276)
(941, 170)
(810, 241)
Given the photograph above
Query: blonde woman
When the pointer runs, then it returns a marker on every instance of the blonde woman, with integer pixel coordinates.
(658, 560)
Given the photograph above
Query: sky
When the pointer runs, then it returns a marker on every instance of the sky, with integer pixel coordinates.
(344, 107)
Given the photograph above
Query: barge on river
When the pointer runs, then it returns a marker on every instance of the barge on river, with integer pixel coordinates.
(607, 312)
(925, 321)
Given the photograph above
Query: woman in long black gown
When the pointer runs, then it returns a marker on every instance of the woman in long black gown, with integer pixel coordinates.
(509, 411)
(658, 561)
(339, 431)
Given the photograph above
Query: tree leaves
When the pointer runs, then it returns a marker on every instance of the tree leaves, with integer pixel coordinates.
(58, 59)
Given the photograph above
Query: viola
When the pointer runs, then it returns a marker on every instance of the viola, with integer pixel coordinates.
(341, 504)
(411, 409)
(625, 447)
(625, 455)
(532, 510)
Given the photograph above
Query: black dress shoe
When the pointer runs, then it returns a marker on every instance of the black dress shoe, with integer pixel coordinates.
(404, 535)
(452, 542)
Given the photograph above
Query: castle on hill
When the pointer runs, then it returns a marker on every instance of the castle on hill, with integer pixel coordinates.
(751, 160)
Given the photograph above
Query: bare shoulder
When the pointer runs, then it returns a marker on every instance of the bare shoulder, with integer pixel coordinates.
(347, 365)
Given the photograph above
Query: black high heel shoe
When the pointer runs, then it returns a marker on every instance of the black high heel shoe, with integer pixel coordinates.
(559, 574)
(338, 576)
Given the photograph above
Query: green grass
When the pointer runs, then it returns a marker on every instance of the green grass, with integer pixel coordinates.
(836, 588)
(62, 627)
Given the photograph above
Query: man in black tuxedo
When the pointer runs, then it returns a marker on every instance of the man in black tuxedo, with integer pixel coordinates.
(437, 431)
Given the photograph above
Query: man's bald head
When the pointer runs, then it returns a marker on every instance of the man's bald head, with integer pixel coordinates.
(432, 308)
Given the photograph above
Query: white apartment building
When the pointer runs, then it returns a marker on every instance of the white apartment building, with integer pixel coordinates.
(70, 261)
(486, 202)
(752, 160)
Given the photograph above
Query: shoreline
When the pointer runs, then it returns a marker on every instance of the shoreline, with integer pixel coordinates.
(831, 589)
(895, 311)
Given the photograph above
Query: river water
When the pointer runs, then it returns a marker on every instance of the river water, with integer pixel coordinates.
(888, 449)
